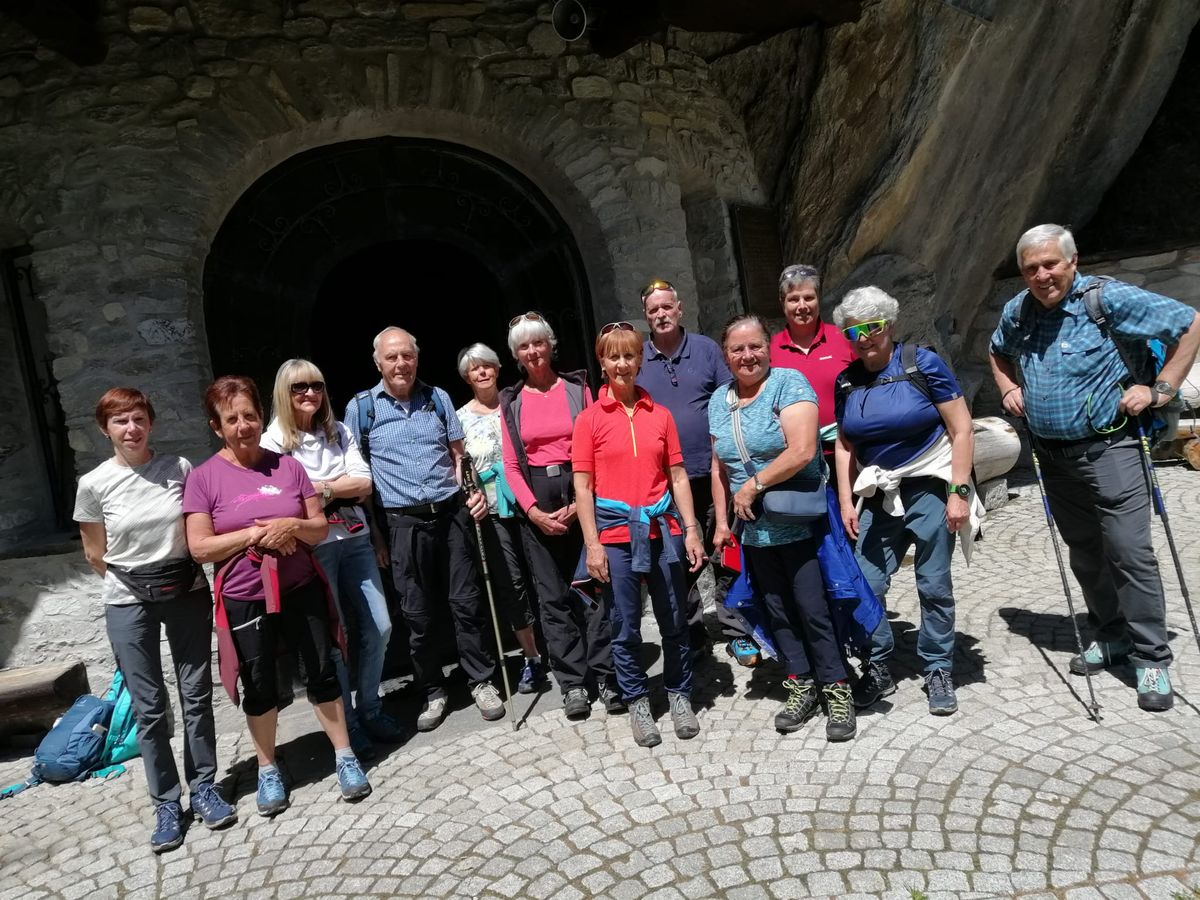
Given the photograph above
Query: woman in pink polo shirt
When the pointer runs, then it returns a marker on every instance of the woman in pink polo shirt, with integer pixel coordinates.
(635, 508)
(812, 347)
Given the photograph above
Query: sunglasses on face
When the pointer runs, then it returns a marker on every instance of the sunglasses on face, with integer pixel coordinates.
(864, 329)
(616, 326)
(531, 316)
(657, 285)
(303, 387)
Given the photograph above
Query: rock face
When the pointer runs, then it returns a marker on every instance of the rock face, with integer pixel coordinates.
(931, 139)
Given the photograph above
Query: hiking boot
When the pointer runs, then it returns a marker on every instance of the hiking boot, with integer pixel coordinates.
(683, 717)
(873, 685)
(1099, 656)
(168, 827)
(839, 707)
(1154, 689)
(360, 743)
(487, 698)
(611, 698)
(352, 780)
(384, 729)
(575, 703)
(272, 798)
(799, 707)
(645, 732)
(939, 685)
(432, 714)
(211, 807)
(533, 678)
(744, 652)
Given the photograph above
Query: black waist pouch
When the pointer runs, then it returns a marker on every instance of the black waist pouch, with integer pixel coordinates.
(158, 582)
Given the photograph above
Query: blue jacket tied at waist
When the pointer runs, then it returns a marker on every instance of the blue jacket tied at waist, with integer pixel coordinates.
(611, 513)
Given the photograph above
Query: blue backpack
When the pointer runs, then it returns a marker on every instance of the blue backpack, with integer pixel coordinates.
(75, 745)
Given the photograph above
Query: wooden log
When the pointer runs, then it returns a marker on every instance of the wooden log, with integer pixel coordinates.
(997, 446)
(31, 698)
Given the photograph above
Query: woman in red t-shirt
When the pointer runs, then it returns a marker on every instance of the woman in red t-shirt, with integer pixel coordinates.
(628, 467)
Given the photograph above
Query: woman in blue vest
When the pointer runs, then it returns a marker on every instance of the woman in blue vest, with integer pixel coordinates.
(905, 447)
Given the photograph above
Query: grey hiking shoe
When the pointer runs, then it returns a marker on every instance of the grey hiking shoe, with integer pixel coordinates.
(1099, 656)
(433, 713)
(645, 732)
(939, 684)
(686, 726)
(799, 707)
(839, 707)
(575, 703)
(487, 698)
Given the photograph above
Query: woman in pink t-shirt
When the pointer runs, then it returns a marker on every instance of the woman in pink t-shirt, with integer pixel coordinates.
(256, 516)
(538, 414)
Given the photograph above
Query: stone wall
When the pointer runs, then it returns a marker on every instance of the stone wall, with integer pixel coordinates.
(119, 174)
(1175, 274)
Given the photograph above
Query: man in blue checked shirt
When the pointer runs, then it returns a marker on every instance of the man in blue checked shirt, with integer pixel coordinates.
(1056, 367)
(413, 444)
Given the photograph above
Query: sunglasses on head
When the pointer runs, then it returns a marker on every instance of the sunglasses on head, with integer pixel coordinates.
(864, 329)
(530, 316)
(616, 326)
(303, 387)
(657, 285)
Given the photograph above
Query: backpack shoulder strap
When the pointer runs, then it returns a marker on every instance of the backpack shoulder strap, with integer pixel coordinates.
(912, 371)
(1093, 303)
(439, 407)
(365, 401)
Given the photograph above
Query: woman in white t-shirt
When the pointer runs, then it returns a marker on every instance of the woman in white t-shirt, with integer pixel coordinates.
(304, 427)
(480, 368)
(130, 514)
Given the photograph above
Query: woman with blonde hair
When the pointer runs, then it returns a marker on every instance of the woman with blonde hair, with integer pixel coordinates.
(305, 428)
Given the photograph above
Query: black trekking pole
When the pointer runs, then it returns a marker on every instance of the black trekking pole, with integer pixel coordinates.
(1156, 499)
(1094, 706)
(470, 487)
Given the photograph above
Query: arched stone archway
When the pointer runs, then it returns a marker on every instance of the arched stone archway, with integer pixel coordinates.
(327, 213)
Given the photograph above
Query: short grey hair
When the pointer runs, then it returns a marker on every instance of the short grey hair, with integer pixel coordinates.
(799, 274)
(379, 337)
(1040, 234)
(530, 330)
(866, 304)
(475, 354)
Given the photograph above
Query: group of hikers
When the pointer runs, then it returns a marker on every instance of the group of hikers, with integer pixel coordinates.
(816, 451)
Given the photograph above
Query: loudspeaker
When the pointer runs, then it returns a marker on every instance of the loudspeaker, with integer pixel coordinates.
(570, 19)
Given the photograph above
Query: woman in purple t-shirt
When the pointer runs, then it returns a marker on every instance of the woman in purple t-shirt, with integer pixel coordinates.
(256, 516)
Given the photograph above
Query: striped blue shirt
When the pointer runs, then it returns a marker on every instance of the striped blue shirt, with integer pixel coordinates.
(1071, 373)
(410, 448)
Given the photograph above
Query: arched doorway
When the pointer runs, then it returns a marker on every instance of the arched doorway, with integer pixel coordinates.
(335, 243)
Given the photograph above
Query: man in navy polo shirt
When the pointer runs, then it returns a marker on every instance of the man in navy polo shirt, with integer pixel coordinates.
(413, 445)
(681, 371)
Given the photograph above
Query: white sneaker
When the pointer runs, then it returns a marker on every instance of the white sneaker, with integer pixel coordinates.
(487, 698)
(433, 713)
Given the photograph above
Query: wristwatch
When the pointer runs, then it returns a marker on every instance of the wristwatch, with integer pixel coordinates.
(758, 485)
(326, 491)
(963, 490)
(1162, 388)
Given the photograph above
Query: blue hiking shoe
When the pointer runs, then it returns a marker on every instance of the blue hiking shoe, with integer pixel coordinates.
(1154, 689)
(352, 779)
(533, 678)
(939, 684)
(168, 827)
(1099, 656)
(385, 729)
(272, 796)
(211, 807)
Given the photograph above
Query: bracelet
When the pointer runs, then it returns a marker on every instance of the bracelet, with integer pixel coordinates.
(1009, 391)
(693, 525)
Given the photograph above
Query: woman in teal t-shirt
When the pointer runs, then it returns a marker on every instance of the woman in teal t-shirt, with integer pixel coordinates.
(778, 413)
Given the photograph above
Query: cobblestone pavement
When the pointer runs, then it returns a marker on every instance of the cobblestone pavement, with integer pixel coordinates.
(1019, 794)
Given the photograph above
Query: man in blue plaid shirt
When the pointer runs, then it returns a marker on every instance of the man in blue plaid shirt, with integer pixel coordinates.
(1054, 366)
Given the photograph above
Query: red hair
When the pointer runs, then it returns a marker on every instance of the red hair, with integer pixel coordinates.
(222, 391)
(623, 340)
(122, 400)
